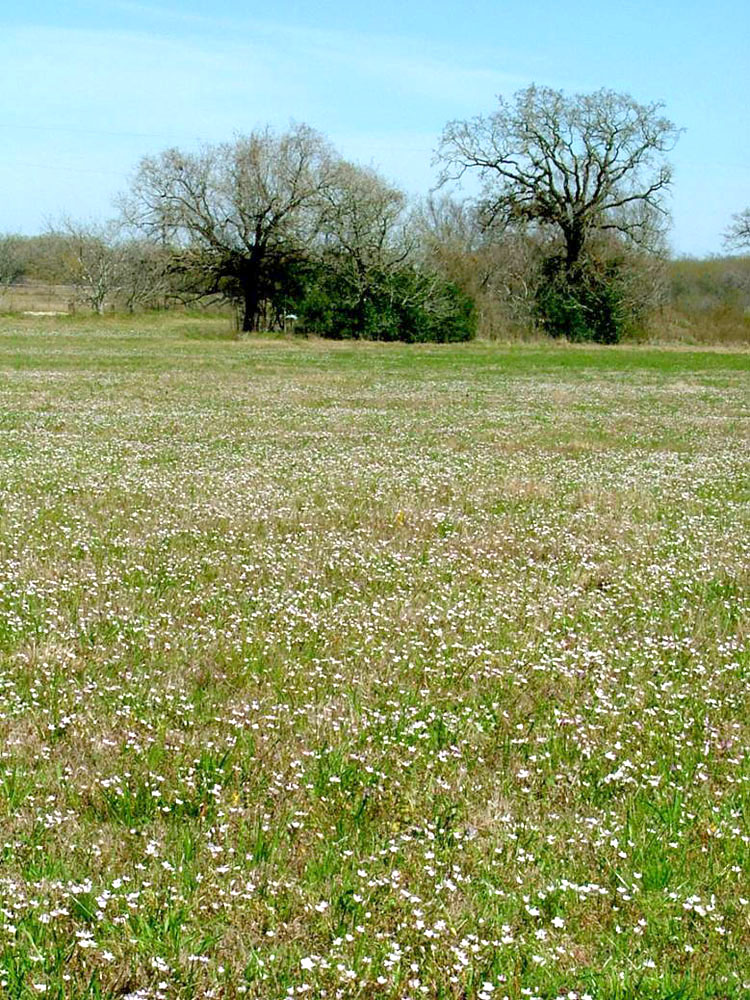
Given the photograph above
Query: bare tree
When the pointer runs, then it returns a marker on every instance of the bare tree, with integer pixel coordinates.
(363, 216)
(144, 275)
(449, 228)
(240, 210)
(573, 165)
(92, 257)
(497, 271)
(363, 229)
(737, 236)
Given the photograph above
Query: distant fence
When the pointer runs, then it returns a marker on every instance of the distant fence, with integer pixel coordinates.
(37, 296)
(43, 297)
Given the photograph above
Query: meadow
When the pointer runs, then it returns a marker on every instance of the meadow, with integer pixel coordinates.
(345, 670)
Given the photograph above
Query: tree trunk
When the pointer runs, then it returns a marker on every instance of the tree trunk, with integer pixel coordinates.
(250, 306)
(250, 275)
(360, 314)
(361, 309)
(574, 240)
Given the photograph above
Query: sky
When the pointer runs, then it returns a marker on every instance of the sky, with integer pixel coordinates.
(87, 89)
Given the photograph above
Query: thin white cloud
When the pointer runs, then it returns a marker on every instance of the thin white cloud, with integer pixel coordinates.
(156, 83)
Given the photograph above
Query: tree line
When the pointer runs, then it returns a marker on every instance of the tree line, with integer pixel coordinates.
(564, 231)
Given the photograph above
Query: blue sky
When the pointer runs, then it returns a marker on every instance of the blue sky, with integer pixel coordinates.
(88, 88)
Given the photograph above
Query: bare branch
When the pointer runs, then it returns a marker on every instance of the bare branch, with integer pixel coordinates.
(240, 209)
(571, 163)
(737, 236)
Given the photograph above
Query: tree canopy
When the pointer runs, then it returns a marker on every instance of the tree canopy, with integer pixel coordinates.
(737, 237)
(575, 164)
(572, 192)
(242, 210)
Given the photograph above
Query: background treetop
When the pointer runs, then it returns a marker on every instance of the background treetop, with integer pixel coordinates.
(737, 236)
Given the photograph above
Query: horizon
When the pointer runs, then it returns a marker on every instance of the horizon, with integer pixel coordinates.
(90, 91)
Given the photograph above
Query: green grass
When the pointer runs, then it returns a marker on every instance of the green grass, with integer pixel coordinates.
(357, 670)
(172, 342)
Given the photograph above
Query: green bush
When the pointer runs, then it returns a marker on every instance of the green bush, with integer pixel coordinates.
(583, 304)
(403, 305)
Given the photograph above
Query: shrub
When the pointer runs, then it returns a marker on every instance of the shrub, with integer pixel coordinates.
(584, 304)
(405, 305)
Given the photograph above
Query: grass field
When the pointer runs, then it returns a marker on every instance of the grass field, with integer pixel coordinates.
(357, 671)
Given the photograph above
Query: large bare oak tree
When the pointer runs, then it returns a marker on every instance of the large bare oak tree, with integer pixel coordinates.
(577, 164)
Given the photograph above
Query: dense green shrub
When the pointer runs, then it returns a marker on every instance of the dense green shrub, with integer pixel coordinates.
(404, 305)
(586, 303)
